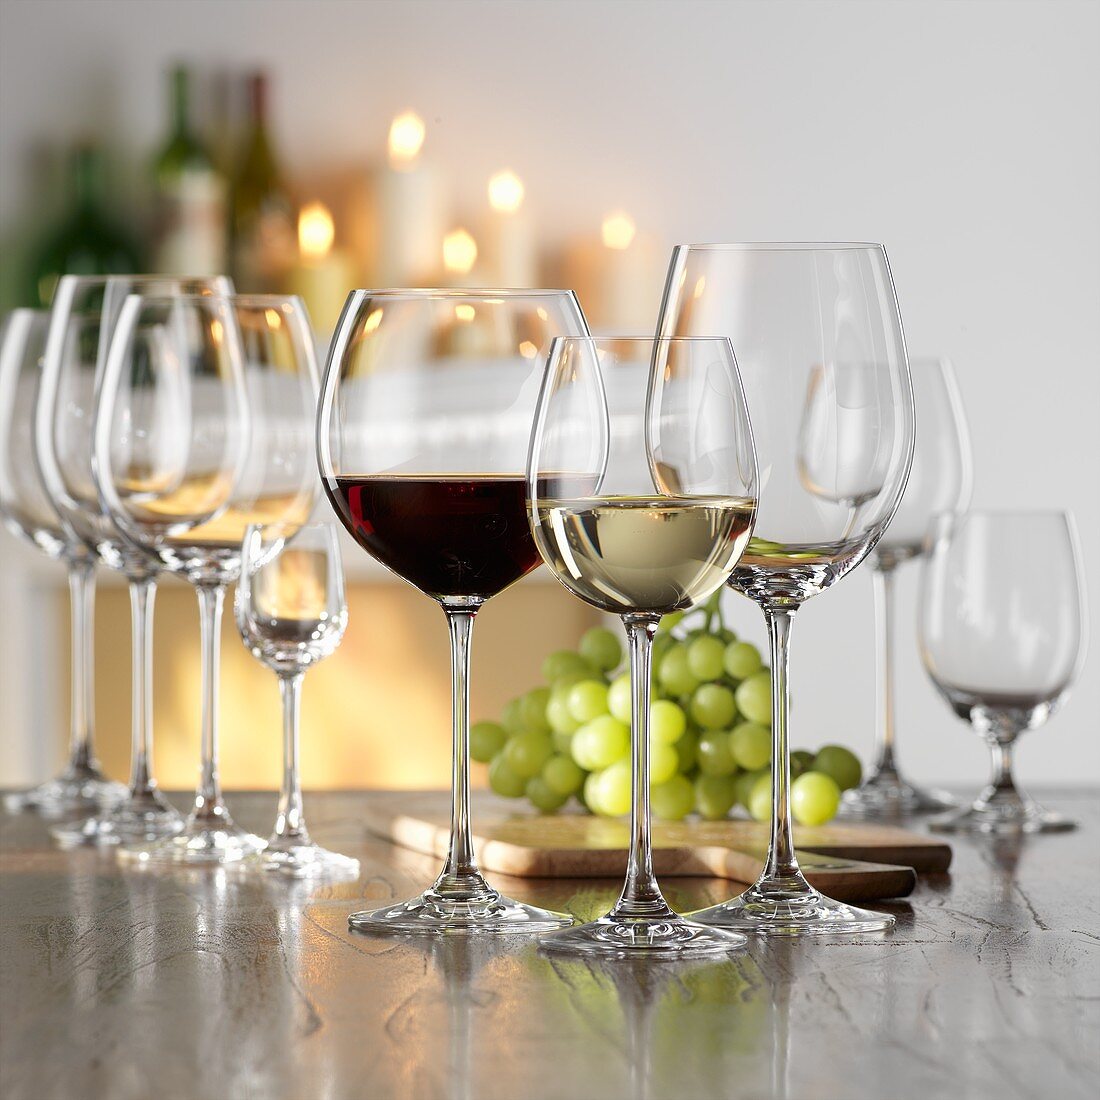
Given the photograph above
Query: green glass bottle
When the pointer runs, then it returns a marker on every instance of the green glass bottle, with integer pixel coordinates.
(189, 229)
(262, 233)
(87, 242)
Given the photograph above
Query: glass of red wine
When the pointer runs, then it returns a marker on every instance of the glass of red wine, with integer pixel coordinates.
(422, 435)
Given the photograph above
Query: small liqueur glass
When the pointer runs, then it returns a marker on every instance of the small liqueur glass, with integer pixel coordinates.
(291, 613)
(1003, 632)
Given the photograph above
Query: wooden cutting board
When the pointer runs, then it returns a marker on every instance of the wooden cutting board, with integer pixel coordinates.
(856, 862)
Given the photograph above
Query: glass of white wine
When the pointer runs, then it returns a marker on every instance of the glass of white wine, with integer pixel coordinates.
(642, 483)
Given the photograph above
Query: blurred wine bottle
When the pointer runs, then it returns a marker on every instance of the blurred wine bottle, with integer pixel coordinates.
(87, 242)
(190, 218)
(263, 240)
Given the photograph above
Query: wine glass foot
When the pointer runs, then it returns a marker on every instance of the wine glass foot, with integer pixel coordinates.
(785, 913)
(301, 860)
(888, 796)
(663, 936)
(141, 819)
(200, 842)
(436, 913)
(1003, 820)
(83, 790)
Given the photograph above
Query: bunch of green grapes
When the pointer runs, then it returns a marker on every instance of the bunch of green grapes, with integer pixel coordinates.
(710, 732)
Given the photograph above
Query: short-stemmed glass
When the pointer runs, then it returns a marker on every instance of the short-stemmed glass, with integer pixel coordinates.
(277, 483)
(291, 613)
(82, 320)
(940, 481)
(1003, 631)
(422, 437)
(819, 344)
(642, 485)
(29, 514)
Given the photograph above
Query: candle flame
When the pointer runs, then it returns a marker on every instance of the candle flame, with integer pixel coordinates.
(506, 192)
(406, 139)
(374, 319)
(464, 312)
(528, 350)
(459, 252)
(316, 230)
(618, 230)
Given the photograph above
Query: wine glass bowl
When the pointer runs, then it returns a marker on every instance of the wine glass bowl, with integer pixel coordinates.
(1003, 646)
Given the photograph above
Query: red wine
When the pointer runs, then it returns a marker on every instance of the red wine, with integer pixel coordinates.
(448, 535)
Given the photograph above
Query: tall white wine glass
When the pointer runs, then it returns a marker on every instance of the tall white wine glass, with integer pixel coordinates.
(819, 342)
(642, 484)
(276, 483)
(422, 437)
(940, 481)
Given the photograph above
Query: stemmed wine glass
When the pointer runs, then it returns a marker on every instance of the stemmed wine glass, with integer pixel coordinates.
(274, 483)
(642, 483)
(422, 436)
(939, 481)
(819, 344)
(1003, 629)
(29, 514)
(291, 613)
(85, 309)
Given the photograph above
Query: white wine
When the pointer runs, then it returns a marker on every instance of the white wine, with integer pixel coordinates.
(654, 554)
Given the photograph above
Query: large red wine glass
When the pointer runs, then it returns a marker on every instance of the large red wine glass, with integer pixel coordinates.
(422, 435)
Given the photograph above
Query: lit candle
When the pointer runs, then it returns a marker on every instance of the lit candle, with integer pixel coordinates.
(410, 209)
(509, 243)
(467, 334)
(324, 274)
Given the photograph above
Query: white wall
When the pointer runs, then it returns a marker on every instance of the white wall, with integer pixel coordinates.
(966, 136)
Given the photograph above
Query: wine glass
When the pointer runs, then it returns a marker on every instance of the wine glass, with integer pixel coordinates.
(819, 344)
(940, 480)
(82, 319)
(270, 479)
(642, 483)
(1003, 638)
(291, 613)
(29, 514)
(422, 436)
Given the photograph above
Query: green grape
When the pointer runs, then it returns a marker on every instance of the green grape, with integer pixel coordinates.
(713, 706)
(714, 753)
(801, 761)
(503, 780)
(591, 794)
(760, 800)
(687, 750)
(601, 742)
(562, 775)
(543, 797)
(742, 660)
(615, 789)
(745, 784)
(674, 799)
(558, 713)
(674, 675)
(704, 657)
(713, 796)
(563, 663)
(619, 696)
(667, 721)
(562, 742)
(486, 740)
(527, 752)
(512, 718)
(601, 648)
(664, 762)
(532, 709)
(754, 697)
(815, 798)
(669, 621)
(751, 745)
(840, 764)
(588, 700)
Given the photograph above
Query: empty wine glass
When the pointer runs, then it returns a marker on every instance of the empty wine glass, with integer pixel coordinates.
(82, 320)
(940, 481)
(254, 454)
(422, 437)
(819, 345)
(29, 514)
(291, 613)
(1002, 632)
(642, 485)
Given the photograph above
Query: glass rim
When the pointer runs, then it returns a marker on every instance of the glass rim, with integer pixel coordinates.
(267, 300)
(604, 338)
(783, 246)
(442, 293)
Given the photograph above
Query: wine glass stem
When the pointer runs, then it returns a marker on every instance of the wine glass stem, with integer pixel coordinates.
(781, 864)
(883, 577)
(461, 869)
(208, 798)
(82, 609)
(142, 597)
(290, 823)
(641, 895)
(1004, 786)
